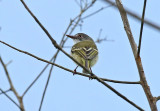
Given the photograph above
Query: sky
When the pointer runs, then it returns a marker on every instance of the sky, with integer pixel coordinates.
(66, 92)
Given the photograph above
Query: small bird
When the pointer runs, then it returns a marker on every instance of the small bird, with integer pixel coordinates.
(84, 50)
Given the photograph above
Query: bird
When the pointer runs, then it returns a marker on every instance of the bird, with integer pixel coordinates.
(84, 51)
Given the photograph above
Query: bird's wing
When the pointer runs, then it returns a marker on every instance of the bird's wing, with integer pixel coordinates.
(86, 52)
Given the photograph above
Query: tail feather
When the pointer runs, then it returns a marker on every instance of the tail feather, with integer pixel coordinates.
(86, 66)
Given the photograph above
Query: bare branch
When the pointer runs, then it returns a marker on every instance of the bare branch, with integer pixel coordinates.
(141, 30)
(157, 98)
(36, 78)
(11, 85)
(9, 63)
(96, 12)
(143, 80)
(45, 89)
(122, 82)
(94, 76)
(5, 91)
(10, 98)
(151, 24)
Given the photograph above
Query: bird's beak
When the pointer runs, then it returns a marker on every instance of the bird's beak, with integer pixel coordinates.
(72, 37)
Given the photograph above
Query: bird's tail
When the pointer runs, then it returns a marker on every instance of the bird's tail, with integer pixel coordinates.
(86, 64)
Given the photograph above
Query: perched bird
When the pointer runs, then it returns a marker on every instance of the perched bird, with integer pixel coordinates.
(84, 50)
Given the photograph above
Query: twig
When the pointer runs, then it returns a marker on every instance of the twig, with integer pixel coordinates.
(151, 24)
(19, 98)
(100, 32)
(9, 63)
(157, 98)
(5, 91)
(122, 82)
(100, 40)
(143, 80)
(45, 89)
(36, 78)
(96, 12)
(141, 30)
(10, 98)
(94, 76)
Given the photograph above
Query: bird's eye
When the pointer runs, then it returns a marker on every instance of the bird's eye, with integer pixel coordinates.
(80, 36)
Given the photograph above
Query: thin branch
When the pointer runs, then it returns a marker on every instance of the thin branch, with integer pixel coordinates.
(143, 80)
(94, 76)
(5, 91)
(9, 63)
(52, 63)
(10, 98)
(100, 32)
(151, 24)
(45, 89)
(122, 82)
(11, 85)
(96, 12)
(36, 78)
(141, 30)
(100, 40)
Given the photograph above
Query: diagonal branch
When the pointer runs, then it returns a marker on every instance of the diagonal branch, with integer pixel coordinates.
(36, 78)
(94, 76)
(44, 92)
(141, 30)
(121, 82)
(19, 98)
(157, 98)
(153, 25)
(10, 98)
(96, 11)
(5, 91)
(143, 80)
(52, 63)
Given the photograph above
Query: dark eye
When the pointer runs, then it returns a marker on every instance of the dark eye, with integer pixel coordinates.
(80, 36)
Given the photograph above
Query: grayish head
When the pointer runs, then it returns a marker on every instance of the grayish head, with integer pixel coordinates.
(79, 37)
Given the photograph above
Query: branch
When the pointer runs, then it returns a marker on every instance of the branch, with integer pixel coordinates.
(11, 85)
(36, 78)
(45, 89)
(96, 12)
(94, 76)
(143, 80)
(5, 91)
(10, 98)
(52, 63)
(141, 30)
(153, 25)
(157, 98)
(122, 82)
